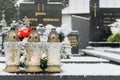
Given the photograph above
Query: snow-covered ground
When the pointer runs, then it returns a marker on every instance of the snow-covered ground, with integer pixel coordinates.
(103, 69)
(82, 66)
(90, 69)
(106, 53)
(83, 59)
(108, 49)
(74, 59)
(79, 69)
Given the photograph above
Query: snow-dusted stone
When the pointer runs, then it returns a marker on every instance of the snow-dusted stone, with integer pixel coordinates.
(66, 49)
(103, 54)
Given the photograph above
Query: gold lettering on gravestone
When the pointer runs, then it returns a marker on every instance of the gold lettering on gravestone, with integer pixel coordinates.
(51, 19)
(107, 19)
(107, 14)
(32, 19)
(40, 13)
(73, 41)
(95, 9)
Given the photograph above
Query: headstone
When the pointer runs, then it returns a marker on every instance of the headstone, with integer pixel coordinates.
(82, 25)
(73, 38)
(100, 19)
(43, 12)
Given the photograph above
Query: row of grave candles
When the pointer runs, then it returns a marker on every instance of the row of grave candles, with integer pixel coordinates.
(34, 49)
(33, 56)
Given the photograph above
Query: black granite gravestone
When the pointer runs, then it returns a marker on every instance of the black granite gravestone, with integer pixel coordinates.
(41, 11)
(41, 1)
(100, 19)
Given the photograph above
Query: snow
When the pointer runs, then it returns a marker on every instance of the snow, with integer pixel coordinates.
(106, 55)
(103, 69)
(2, 59)
(84, 59)
(79, 69)
(74, 59)
(2, 72)
(108, 49)
(109, 3)
(90, 69)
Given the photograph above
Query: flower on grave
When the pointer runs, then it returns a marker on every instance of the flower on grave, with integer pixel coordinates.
(23, 32)
(43, 62)
(115, 30)
(22, 57)
(63, 31)
(48, 29)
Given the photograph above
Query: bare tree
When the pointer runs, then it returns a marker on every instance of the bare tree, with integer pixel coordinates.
(8, 8)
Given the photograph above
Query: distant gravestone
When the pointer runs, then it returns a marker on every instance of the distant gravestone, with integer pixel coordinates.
(100, 19)
(73, 38)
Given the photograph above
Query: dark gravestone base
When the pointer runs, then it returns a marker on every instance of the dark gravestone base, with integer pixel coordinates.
(104, 44)
(65, 77)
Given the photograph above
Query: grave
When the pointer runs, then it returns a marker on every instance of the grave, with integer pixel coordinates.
(101, 17)
(43, 11)
(74, 39)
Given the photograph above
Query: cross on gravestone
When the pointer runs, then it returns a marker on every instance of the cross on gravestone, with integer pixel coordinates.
(95, 9)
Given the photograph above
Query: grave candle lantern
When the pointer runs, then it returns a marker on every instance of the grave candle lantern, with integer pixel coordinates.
(54, 48)
(54, 57)
(33, 49)
(12, 54)
(33, 57)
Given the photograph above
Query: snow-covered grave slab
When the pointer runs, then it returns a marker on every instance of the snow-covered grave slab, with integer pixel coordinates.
(108, 49)
(2, 59)
(80, 59)
(101, 69)
(106, 55)
(84, 59)
(71, 71)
